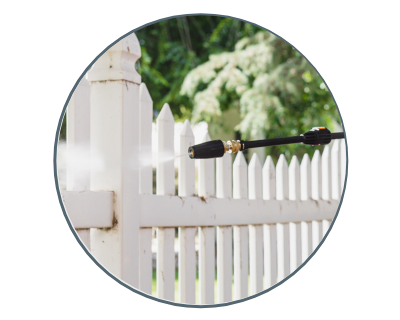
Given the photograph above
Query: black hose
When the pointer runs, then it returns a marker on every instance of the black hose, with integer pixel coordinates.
(271, 142)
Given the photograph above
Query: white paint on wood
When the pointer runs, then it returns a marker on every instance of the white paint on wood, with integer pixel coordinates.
(283, 250)
(187, 265)
(241, 261)
(89, 209)
(269, 179)
(270, 255)
(335, 164)
(186, 168)
(326, 174)
(295, 228)
(146, 268)
(306, 239)
(78, 138)
(224, 264)
(165, 176)
(165, 272)
(167, 211)
(316, 176)
(255, 178)
(282, 230)
(206, 174)
(316, 194)
(256, 258)
(240, 177)
(343, 161)
(305, 178)
(224, 176)
(113, 65)
(206, 264)
(145, 133)
(282, 188)
(114, 134)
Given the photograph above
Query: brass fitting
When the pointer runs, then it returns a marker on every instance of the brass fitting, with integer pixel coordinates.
(232, 146)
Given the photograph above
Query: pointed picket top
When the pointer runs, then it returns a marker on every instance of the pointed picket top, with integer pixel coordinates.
(282, 187)
(326, 174)
(269, 179)
(144, 93)
(240, 160)
(166, 114)
(335, 163)
(118, 62)
(224, 176)
(343, 163)
(255, 178)
(305, 178)
(316, 176)
(187, 130)
(206, 173)
(240, 177)
(294, 179)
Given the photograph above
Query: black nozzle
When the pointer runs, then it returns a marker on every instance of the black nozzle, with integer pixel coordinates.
(206, 150)
(317, 136)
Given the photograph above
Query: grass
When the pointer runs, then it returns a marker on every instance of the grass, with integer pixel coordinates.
(154, 285)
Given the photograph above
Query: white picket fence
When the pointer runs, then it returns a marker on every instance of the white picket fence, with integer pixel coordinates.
(265, 221)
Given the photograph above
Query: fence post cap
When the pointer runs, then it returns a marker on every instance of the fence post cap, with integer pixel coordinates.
(118, 62)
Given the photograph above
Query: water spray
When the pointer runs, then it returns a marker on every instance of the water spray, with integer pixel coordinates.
(317, 136)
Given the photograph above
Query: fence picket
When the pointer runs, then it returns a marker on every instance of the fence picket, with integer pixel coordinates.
(206, 174)
(241, 261)
(187, 265)
(224, 264)
(306, 226)
(326, 183)
(165, 273)
(145, 149)
(224, 176)
(269, 179)
(145, 272)
(270, 249)
(206, 264)
(240, 177)
(255, 231)
(282, 230)
(186, 169)
(335, 163)
(295, 228)
(316, 194)
(165, 175)
(255, 178)
(165, 179)
(343, 162)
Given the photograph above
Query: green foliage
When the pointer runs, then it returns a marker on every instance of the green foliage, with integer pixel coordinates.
(172, 48)
(280, 94)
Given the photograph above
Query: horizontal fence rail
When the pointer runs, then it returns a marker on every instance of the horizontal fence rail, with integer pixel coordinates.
(246, 227)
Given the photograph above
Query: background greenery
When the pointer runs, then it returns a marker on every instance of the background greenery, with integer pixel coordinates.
(243, 81)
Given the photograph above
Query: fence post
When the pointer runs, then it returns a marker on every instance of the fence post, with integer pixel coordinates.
(114, 132)
(78, 145)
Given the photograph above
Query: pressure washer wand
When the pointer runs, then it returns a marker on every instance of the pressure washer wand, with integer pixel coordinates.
(317, 136)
